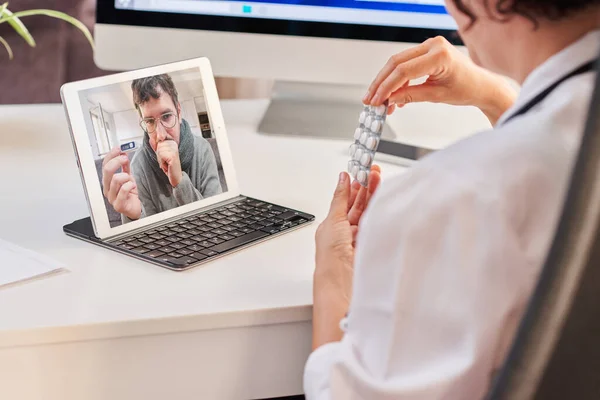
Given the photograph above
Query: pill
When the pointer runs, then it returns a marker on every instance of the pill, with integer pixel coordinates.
(381, 110)
(350, 165)
(364, 137)
(371, 143)
(354, 172)
(365, 160)
(352, 150)
(357, 133)
(362, 177)
(368, 121)
(376, 126)
(358, 154)
(363, 117)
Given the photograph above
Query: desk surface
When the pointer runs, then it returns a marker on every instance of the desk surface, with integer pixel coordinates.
(106, 294)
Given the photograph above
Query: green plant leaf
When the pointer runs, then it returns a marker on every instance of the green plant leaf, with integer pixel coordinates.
(54, 14)
(7, 46)
(2, 8)
(18, 26)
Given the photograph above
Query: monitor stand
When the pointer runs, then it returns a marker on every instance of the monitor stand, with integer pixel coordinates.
(323, 111)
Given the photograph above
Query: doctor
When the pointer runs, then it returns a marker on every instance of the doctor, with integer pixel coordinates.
(425, 302)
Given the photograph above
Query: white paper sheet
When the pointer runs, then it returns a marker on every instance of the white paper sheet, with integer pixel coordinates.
(18, 264)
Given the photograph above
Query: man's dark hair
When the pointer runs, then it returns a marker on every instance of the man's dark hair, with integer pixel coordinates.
(533, 9)
(145, 88)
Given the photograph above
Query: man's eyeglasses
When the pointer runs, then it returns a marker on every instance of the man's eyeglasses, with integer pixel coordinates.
(168, 120)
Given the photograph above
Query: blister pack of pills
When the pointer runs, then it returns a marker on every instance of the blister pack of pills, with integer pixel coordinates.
(366, 141)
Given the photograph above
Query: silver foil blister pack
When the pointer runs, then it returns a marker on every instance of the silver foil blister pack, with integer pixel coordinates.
(366, 141)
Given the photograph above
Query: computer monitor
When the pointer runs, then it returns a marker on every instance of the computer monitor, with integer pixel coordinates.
(338, 44)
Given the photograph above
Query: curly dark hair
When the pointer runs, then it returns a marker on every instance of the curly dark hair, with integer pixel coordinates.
(147, 87)
(533, 9)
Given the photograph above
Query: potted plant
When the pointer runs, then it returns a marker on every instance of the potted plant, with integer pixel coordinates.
(13, 19)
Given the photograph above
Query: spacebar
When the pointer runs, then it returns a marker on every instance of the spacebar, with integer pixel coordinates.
(238, 241)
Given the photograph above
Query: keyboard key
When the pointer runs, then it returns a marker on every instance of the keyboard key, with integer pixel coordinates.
(135, 243)
(154, 254)
(178, 230)
(214, 225)
(216, 240)
(236, 233)
(246, 230)
(226, 237)
(141, 250)
(225, 221)
(235, 219)
(287, 215)
(173, 239)
(254, 227)
(141, 235)
(161, 229)
(270, 229)
(205, 228)
(162, 242)
(187, 242)
(227, 213)
(146, 240)
(184, 235)
(206, 252)
(244, 215)
(172, 226)
(188, 226)
(184, 252)
(199, 256)
(157, 236)
(152, 232)
(198, 223)
(175, 255)
(209, 235)
(206, 243)
(195, 247)
(167, 249)
(178, 245)
(238, 225)
(187, 260)
(120, 242)
(168, 232)
(168, 259)
(218, 231)
(212, 213)
(127, 246)
(264, 223)
(182, 222)
(239, 241)
(198, 238)
(151, 246)
(228, 228)
(194, 232)
(207, 220)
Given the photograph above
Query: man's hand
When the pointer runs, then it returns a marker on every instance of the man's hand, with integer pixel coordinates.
(335, 243)
(167, 153)
(120, 188)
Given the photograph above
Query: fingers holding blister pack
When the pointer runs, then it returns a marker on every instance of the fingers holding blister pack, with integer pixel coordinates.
(366, 140)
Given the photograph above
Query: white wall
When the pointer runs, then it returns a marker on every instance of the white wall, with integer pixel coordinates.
(127, 127)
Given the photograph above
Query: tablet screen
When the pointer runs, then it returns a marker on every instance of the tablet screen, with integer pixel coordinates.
(152, 143)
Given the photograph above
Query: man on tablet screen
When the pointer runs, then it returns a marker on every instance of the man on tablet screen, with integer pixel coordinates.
(172, 168)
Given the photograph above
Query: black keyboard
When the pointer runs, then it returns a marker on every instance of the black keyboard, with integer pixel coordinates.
(208, 234)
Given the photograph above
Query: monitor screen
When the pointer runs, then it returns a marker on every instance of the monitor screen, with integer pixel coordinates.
(152, 144)
(396, 13)
(410, 21)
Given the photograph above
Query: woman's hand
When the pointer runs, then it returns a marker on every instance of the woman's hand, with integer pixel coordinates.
(452, 79)
(335, 242)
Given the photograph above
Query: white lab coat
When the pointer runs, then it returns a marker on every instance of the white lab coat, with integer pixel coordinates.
(449, 252)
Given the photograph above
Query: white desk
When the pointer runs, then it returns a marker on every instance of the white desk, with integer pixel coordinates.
(117, 328)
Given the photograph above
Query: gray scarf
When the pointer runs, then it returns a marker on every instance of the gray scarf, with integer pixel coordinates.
(186, 151)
